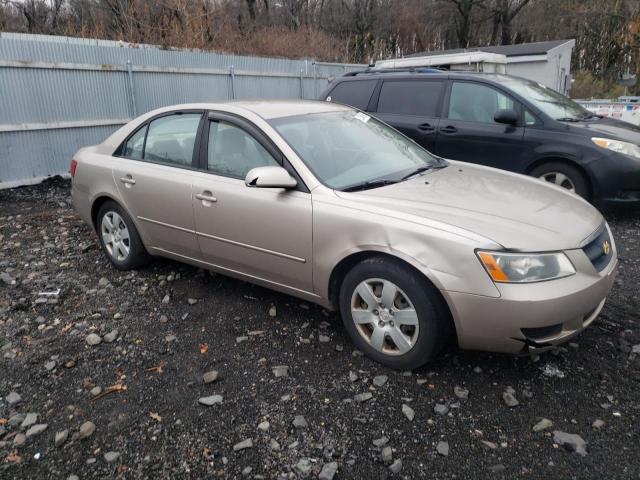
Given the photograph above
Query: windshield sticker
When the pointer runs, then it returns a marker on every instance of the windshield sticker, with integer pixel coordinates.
(362, 117)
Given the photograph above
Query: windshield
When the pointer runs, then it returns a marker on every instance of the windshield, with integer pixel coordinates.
(348, 149)
(552, 103)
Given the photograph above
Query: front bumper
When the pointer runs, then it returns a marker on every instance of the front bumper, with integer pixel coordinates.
(533, 317)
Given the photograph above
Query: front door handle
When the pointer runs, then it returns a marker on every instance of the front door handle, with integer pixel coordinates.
(426, 127)
(206, 196)
(449, 129)
(128, 180)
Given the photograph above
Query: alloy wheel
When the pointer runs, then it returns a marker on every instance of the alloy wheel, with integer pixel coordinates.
(115, 236)
(559, 179)
(384, 316)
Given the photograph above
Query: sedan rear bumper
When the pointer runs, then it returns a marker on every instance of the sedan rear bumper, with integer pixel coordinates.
(532, 317)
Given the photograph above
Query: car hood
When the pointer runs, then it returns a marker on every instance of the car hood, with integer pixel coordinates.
(608, 128)
(515, 211)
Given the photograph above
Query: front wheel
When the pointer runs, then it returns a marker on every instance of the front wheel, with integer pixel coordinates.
(393, 314)
(563, 175)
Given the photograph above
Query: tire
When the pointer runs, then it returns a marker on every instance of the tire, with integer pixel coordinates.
(573, 175)
(127, 239)
(434, 324)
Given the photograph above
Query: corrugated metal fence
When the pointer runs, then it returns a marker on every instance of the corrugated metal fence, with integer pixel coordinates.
(58, 93)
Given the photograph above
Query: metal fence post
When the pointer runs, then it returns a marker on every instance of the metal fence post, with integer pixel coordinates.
(132, 93)
(315, 80)
(301, 85)
(233, 81)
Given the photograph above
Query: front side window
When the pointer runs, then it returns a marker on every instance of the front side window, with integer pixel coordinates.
(171, 139)
(410, 97)
(346, 149)
(232, 152)
(473, 102)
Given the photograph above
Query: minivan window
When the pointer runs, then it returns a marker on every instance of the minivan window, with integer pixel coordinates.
(410, 97)
(554, 104)
(171, 139)
(473, 102)
(232, 152)
(355, 93)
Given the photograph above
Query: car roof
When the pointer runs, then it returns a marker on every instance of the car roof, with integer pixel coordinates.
(266, 109)
(416, 73)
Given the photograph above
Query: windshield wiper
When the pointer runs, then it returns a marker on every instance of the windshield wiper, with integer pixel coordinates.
(568, 119)
(417, 171)
(368, 185)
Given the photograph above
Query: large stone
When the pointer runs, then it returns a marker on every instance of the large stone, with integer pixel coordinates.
(248, 443)
(571, 442)
(86, 430)
(13, 398)
(300, 422)
(61, 437)
(93, 339)
(443, 448)
(209, 401)
(408, 412)
(36, 429)
(328, 471)
(210, 377)
(542, 425)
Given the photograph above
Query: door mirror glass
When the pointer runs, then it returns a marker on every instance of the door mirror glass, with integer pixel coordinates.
(506, 116)
(269, 177)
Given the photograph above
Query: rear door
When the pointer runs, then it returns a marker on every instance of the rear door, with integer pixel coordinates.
(355, 92)
(265, 233)
(413, 107)
(468, 132)
(154, 171)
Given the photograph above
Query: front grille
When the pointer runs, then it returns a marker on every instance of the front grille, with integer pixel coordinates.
(600, 249)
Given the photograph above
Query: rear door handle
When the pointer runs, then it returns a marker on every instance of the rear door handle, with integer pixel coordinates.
(426, 127)
(448, 129)
(206, 197)
(128, 179)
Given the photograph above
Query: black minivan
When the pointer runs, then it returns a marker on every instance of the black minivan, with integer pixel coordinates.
(504, 122)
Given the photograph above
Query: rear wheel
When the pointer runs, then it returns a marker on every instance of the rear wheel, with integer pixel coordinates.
(119, 238)
(563, 175)
(393, 314)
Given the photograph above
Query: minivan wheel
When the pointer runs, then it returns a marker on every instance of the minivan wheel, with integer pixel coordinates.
(393, 314)
(563, 175)
(119, 238)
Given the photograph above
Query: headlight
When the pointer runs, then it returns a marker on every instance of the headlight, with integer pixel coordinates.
(524, 267)
(617, 146)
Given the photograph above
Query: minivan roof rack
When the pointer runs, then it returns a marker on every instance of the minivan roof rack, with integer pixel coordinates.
(370, 71)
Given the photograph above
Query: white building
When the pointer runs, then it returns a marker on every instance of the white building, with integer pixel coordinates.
(548, 63)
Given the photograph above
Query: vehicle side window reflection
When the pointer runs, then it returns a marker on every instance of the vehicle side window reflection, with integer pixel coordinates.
(171, 139)
(473, 102)
(134, 148)
(232, 152)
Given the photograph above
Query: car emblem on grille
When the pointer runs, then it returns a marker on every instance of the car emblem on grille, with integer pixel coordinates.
(606, 247)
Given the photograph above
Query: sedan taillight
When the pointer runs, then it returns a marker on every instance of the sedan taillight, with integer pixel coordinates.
(72, 168)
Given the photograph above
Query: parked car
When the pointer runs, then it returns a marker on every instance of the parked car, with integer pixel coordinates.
(504, 122)
(329, 204)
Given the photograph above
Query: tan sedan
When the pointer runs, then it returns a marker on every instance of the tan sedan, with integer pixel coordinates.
(328, 204)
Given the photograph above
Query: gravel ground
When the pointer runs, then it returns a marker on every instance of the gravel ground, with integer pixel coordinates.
(129, 407)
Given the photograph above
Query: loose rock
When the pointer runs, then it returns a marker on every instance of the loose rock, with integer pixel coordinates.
(209, 401)
(363, 397)
(61, 437)
(510, 400)
(111, 457)
(111, 336)
(441, 409)
(248, 443)
(36, 430)
(328, 471)
(396, 466)
(87, 429)
(542, 425)
(380, 380)
(210, 377)
(93, 339)
(443, 448)
(300, 422)
(408, 412)
(570, 441)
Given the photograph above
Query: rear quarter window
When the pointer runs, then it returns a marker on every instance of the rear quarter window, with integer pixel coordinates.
(410, 97)
(356, 93)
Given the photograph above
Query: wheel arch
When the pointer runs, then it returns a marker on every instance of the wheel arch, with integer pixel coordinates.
(345, 264)
(567, 161)
(95, 207)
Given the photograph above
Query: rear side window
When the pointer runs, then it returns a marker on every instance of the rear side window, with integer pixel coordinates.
(134, 148)
(410, 97)
(171, 139)
(355, 93)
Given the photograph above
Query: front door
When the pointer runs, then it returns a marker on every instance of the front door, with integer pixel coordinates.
(264, 233)
(153, 173)
(412, 106)
(468, 132)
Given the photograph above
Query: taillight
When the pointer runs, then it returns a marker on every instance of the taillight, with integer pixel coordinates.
(72, 168)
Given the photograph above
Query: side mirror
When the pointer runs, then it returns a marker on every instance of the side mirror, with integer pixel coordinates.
(269, 177)
(506, 116)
